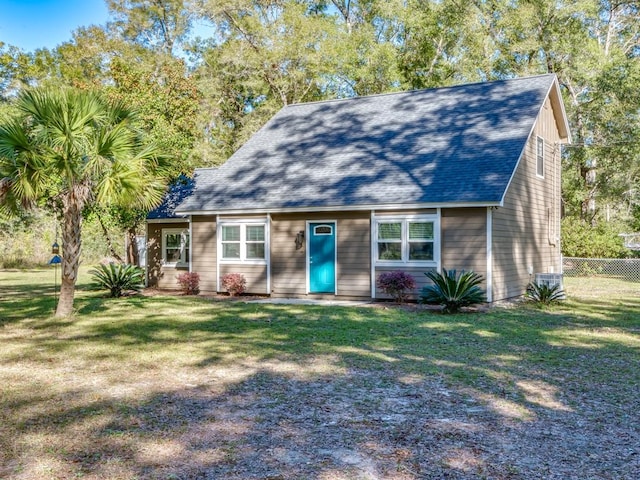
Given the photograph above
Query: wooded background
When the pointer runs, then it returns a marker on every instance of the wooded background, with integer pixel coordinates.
(201, 98)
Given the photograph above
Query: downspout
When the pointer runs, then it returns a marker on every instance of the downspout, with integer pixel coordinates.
(553, 214)
(489, 254)
(218, 245)
(146, 254)
(191, 242)
(372, 249)
(268, 253)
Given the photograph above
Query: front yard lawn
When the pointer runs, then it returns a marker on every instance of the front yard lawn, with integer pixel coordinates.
(189, 388)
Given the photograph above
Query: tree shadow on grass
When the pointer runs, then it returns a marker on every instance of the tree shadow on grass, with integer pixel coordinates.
(274, 425)
(409, 391)
(33, 294)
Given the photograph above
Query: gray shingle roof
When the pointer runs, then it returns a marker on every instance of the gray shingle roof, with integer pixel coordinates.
(448, 145)
(179, 190)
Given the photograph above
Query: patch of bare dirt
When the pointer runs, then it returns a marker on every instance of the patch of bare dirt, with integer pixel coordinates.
(362, 425)
(369, 426)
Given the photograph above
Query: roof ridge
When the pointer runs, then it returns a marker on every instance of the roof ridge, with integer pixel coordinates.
(417, 91)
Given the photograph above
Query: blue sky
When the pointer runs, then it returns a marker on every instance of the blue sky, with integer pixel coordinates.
(31, 24)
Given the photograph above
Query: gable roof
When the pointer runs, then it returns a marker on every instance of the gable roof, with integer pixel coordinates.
(453, 145)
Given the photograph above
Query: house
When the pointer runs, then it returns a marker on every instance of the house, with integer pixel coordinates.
(328, 195)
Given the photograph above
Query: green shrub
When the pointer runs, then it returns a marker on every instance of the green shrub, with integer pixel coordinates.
(543, 294)
(453, 291)
(118, 278)
(580, 239)
(25, 240)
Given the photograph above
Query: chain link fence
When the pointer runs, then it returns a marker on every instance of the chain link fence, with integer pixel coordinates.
(622, 268)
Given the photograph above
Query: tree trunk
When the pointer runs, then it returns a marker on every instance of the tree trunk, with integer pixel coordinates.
(107, 237)
(71, 246)
(133, 256)
(65, 302)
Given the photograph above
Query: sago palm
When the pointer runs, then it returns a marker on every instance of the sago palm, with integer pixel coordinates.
(118, 278)
(73, 148)
(453, 290)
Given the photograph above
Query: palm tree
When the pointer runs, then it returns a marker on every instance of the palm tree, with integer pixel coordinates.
(72, 149)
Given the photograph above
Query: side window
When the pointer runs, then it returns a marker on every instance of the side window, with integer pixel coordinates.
(540, 156)
(175, 247)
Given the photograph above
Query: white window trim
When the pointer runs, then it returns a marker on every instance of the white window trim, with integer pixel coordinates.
(405, 220)
(183, 232)
(244, 223)
(538, 140)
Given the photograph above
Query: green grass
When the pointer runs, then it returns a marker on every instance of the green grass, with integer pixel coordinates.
(92, 378)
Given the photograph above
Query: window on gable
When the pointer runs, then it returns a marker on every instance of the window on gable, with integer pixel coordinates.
(175, 247)
(540, 156)
(406, 240)
(243, 242)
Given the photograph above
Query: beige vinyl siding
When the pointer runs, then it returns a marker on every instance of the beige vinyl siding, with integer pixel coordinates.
(354, 256)
(463, 246)
(203, 252)
(528, 224)
(464, 239)
(289, 266)
(256, 276)
(418, 274)
(158, 275)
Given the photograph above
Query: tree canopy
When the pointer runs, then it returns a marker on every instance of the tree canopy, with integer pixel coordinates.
(72, 149)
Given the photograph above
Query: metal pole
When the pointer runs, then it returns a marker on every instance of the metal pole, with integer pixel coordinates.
(55, 287)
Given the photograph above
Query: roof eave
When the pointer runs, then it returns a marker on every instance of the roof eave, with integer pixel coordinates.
(334, 208)
(559, 112)
(168, 220)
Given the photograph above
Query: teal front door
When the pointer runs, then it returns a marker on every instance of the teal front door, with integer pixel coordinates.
(322, 257)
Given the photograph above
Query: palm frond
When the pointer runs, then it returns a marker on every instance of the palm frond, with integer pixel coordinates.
(118, 278)
(543, 294)
(21, 167)
(452, 290)
(67, 138)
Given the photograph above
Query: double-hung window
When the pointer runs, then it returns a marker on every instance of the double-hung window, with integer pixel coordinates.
(421, 239)
(175, 247)
(390, 241)
(406, 240)
(243, 242)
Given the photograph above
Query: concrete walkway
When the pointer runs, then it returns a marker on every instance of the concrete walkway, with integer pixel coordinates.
(309, 301)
